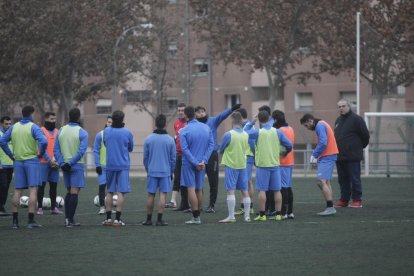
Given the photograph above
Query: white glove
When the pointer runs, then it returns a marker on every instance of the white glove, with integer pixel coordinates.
(313, 160)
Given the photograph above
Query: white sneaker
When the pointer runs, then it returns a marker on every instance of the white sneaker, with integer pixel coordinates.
(247, 219)
(118, 223)
(101, 211)
(39, 211)
(228, 220)
(292, 216)
(330, 211)
(194, 221)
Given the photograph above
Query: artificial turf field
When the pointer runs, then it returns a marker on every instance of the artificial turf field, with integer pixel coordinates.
(377, 239)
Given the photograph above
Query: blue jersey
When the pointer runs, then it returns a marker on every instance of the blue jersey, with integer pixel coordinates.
(119, 143)
(214, 123)
(159, 155)
(322, 133)
(197, 143)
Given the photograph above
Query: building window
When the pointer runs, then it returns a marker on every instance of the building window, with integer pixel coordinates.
(232, 100)
(169, 105)
(350, 96)
(172, 50)
(104, 106)
(401, 90)
(138, 96)
(200, 67)
(303, 101)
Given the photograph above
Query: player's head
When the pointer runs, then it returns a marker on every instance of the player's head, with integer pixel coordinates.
(160, 121)
(344, 106)
(108, 121)
(180, 110)
(74, 115)
(200, 112)
(189, 112)
(27, 111)
(243, 112)
(237, 119)
(118, 119)
(5, 122)
(50, 117)
(265, 108)
(279, 118)
(263, 117)
(308, 121)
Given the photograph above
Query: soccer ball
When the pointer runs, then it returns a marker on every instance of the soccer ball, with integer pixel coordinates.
(47, 203)
(60, 202)
(96, 201)
(24, 201)
(114, 200)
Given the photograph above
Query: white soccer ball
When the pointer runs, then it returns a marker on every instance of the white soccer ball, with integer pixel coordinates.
(114, 200)
(96, 201)
(47, 203)
(24, 201)
(60, 202)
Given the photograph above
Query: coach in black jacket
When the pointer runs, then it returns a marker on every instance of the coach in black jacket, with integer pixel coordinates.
(352, 136)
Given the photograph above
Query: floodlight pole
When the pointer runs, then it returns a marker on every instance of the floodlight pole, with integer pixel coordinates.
(358, 15)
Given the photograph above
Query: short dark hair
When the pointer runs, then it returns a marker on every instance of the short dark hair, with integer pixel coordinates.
(27, 111)
(189, 112)
(279, 118)
(198, 108)
(181, 105)
(74, 115)
(118, 116)
(5, 118)
(263, 116)
(306, 118)
(237, 117)
(109, 117)
(160, 121)
(265, 108)
(48, 114)
(243, 112)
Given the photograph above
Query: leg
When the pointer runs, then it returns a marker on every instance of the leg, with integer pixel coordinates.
(15, 207)
(246, 203)
(101, 195)
(40, 195)
(290, 201)
(52, 194)
(284, 192)
(344, 180)
(74, 192)
(326, 189)
(161, 204)
(355, 175)
(150, 208)
(212, 174)
(262, 200)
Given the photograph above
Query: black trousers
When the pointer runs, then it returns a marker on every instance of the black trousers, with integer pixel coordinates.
(6, 175)
(176, 186)
(212, 170)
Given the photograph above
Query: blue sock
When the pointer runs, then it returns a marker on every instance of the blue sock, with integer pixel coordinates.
(67, 205)
(73, 205)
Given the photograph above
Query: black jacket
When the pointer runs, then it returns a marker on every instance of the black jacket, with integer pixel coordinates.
(352, 136)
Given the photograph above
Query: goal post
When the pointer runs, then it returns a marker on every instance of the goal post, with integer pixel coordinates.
(391, 147)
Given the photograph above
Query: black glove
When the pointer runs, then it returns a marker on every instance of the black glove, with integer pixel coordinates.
(66, 167)
(99, 170)
(235, 107)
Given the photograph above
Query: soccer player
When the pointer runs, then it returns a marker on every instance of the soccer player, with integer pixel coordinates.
(69, 150)
(6, 169)
(324, 155)
(159, 162)
(212, 166)
(234, 146)
(29, 143)
(197, 143)
(119, 143)
(99, 152)
(268, 141)
(49, 166)
(179, 123)
(286, 165)
(249, 167)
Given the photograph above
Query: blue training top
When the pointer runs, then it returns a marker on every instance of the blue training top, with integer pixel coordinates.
(159, 155)
(214, 123)
(119, 143)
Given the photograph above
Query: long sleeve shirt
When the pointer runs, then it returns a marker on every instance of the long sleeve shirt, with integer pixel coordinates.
(159, 155)
(97, 149)
(119, 143)
(197, 143)
(214, 123)
(83, 144)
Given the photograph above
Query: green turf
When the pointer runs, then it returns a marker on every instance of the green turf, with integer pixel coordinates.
(375, 240)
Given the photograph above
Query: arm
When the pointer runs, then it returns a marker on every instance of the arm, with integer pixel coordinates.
(363, 133)
(225, 141)
(146, 154)
(209, 149)
(173, 156)
(131, 142)
(4, 142)
(57, 152)
(253, 134)
(97, 149)
(284, 141)
(186, 150)
(40, 137)
(83, 137)
(221, 117)
(321, 132)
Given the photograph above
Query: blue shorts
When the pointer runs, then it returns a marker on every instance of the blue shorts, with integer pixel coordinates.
(286, 176)
(102, 177)
(191, 178)
(325, 169)
(249, 167)
(75, 178)
(268, 179)
(27, 173)
(155, 183)
(118, 181)
(235, 179)
(49, 174)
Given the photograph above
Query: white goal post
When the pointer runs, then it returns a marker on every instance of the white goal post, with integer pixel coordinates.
(380, 114)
